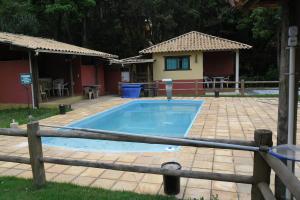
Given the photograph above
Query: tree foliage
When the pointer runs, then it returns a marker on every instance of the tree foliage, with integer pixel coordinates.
(117, 26)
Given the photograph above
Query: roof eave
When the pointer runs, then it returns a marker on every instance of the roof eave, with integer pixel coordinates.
(110, 56)
(176, 51)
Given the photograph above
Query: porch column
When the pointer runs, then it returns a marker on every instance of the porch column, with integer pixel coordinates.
(71, 78)
(237, 69)
(35, 81)
(148, 73)
(32, 90)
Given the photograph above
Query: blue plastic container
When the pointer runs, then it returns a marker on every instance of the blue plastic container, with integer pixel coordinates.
(131, 90)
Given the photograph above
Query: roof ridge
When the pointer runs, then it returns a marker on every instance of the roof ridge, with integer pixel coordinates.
(169, 40)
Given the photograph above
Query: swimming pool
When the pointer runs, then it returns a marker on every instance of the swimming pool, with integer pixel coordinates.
(147, 117)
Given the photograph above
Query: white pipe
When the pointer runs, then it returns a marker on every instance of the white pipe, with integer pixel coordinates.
(237, 69)
(291, 109)
(291, 116)
(30, 70)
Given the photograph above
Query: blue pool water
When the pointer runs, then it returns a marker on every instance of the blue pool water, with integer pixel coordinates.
(147, 117)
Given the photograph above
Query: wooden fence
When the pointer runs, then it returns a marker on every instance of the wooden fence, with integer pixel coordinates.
(260, 180)
(201, 87)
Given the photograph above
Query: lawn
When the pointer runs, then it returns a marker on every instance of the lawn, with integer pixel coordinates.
(21, 189)
(21, 115)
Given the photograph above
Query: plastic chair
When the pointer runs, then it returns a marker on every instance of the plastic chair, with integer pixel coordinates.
(226, 79)
(207, 81)
(88, 92)
(43, 93)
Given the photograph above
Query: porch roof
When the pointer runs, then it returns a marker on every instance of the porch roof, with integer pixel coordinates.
(132, 60)
(195, 41)
(45, 45)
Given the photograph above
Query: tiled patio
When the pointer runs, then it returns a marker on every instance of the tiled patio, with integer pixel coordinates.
(228, 117)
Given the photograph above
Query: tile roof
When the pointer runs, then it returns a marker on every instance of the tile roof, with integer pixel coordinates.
(132, 60)
(39, 44)
(195, 41)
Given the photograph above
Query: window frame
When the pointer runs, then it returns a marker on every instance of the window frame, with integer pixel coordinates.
(178, 68)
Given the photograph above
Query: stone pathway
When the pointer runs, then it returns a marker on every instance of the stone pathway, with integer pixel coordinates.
(224, 117)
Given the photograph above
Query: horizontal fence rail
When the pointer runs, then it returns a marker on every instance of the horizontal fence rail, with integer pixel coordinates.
(13, 132)
(260, 180)
(119, 136)
(154, 170)
(208, 86)
(16, 159)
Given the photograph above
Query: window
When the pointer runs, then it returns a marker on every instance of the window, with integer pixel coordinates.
(177, 63)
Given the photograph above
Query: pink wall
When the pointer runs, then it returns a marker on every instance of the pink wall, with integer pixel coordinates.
(101, 79)
(112, 79)
(77, 76)
(88, 75)
(11, 90)
(185, 88)
(218, 63)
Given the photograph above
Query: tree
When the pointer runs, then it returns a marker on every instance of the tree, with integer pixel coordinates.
(17, 17)
(117, 26)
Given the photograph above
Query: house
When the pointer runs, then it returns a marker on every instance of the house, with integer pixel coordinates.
(47, 60)
(192, 56)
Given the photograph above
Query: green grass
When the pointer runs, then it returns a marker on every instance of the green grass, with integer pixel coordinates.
(21, 189)
(21, 115)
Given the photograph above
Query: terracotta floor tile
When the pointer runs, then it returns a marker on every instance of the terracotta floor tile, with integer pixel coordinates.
(84, 181)
(124, 186)
(152, 178)
(148, 188)
(110, 174)
(25, 174)
(131, 176)
(74, 170)
(224, 186)
(92, 172)
(103, 183)
(12, 172)
(63, 178)
(199, 183)
(127, 158)
(57, 168)
(50, 176)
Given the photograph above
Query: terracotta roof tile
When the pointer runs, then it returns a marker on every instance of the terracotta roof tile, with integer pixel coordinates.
(39, 44)
(195, 41)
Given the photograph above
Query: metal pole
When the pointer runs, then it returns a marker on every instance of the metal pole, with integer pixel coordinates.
(292, 42)
(291, 97)
(237, 70)
(30, 68)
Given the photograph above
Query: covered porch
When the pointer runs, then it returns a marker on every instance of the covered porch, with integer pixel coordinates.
(135, 69)
(61, 76)
(56, 69)
(221, 68)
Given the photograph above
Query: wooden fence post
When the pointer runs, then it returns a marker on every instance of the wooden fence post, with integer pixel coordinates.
(36, 153)
(157, 87)
(242, 87)
(196, 88)
(261, 170)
